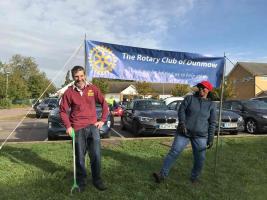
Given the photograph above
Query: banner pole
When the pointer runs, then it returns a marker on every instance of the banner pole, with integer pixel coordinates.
(220, 116)
(85, 53)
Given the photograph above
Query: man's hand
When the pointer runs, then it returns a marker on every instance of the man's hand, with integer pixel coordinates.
(69, 131)
(209, 143)
(99, 124)
(182, 129)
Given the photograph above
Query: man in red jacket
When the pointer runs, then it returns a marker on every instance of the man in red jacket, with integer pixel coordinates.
(81, 99)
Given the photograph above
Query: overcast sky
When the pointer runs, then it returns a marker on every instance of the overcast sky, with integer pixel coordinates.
(50, 31)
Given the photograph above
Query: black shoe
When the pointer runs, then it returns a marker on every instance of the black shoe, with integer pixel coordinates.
(194, 181)
(100, 185)
(158, 177)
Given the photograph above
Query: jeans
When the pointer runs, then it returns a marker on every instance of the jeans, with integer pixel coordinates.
(87, 139)
(199, 152)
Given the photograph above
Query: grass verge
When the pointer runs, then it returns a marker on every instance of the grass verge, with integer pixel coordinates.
(44, 171)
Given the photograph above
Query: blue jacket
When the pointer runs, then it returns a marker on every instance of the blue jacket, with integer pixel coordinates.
(198, 115)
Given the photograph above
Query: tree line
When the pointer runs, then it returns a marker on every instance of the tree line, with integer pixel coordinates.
(21, 78)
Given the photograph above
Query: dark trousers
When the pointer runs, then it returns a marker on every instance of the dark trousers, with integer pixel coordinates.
(87, 139)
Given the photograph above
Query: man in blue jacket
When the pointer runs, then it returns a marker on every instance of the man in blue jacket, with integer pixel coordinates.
(197, 121)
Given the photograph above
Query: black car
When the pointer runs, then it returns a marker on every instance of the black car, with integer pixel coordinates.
(146, 116)
(230, 122)
(254, 113)
(44, 108)
(56, 128)
(260, 98)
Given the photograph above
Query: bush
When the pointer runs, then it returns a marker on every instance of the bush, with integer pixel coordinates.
(5, 103)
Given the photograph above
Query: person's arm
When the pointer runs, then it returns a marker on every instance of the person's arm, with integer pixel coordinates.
(182, 115)
(182, 109)
(63, 112)
(212, 125)
(100, 99)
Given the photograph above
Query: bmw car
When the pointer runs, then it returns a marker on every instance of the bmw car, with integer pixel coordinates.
(254, 113)
(44, 108)
(56, 128)
(230, 122)
(149, 117)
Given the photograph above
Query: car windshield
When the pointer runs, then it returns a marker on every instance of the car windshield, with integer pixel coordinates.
(50, 101)
(255, 104)
(150, 105)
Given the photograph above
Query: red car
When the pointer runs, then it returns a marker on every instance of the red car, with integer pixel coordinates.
(117, 111)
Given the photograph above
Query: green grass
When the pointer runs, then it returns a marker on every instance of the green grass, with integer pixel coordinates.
(44, 171)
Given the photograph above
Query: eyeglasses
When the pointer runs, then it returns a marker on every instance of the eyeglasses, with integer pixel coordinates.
(201, 88)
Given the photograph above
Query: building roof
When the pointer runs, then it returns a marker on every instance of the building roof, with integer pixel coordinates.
(256, 69)
(117, 87)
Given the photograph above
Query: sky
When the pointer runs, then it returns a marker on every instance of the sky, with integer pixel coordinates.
(51, 31)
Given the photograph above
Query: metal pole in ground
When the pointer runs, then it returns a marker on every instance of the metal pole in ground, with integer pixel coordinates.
(220, 117)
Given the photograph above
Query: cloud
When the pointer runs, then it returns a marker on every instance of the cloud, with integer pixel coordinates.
(53, 29)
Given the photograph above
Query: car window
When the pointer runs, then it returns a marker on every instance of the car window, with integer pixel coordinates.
(130, 105)
(227, 105)
(49, 101)
(172, 106)
(255, 104)
(236, 106)
(150, 105)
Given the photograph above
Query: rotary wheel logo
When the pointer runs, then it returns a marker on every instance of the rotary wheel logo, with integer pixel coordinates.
(102, 59)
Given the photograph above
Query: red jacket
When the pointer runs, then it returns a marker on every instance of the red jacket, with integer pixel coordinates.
(83, 108)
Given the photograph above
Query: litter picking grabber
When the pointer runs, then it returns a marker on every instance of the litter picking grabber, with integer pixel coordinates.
(75, 185)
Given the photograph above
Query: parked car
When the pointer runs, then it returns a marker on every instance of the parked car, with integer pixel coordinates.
(260, 98)
(44, 108)
(171, 102)
(147, 116)
(56, 128)
(254, 113)
(230, 122)
(117, 111)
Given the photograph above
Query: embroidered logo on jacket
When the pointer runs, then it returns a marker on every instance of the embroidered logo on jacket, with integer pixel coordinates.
(90, 93)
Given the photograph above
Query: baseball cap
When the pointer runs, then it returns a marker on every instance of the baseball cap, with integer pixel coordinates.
(205, 84)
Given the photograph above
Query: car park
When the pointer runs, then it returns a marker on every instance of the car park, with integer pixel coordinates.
(254, 113)
(230, 122)
(56, 129)
(44, 108)
(149, 117)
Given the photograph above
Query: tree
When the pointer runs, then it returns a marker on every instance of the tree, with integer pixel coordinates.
(180, 90)
(228, 91)
(102, 84)
(25, 79)
(144, 88)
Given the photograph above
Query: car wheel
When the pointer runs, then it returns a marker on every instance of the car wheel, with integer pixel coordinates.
(135, 128)
(251, 126)
(123, 127)
(106, 135)
(38, 115)
(233, 132)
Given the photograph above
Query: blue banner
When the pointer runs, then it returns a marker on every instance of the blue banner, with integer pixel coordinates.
(113, 61)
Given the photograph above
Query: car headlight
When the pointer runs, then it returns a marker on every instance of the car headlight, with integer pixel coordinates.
(52, 113)
(108, 123)
(145, 119)
(240, 119)
(264, 116)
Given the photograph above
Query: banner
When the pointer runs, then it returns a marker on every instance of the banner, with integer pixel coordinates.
(113, 61)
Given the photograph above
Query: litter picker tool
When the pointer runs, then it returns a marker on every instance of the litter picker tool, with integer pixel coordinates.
(75, 185)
